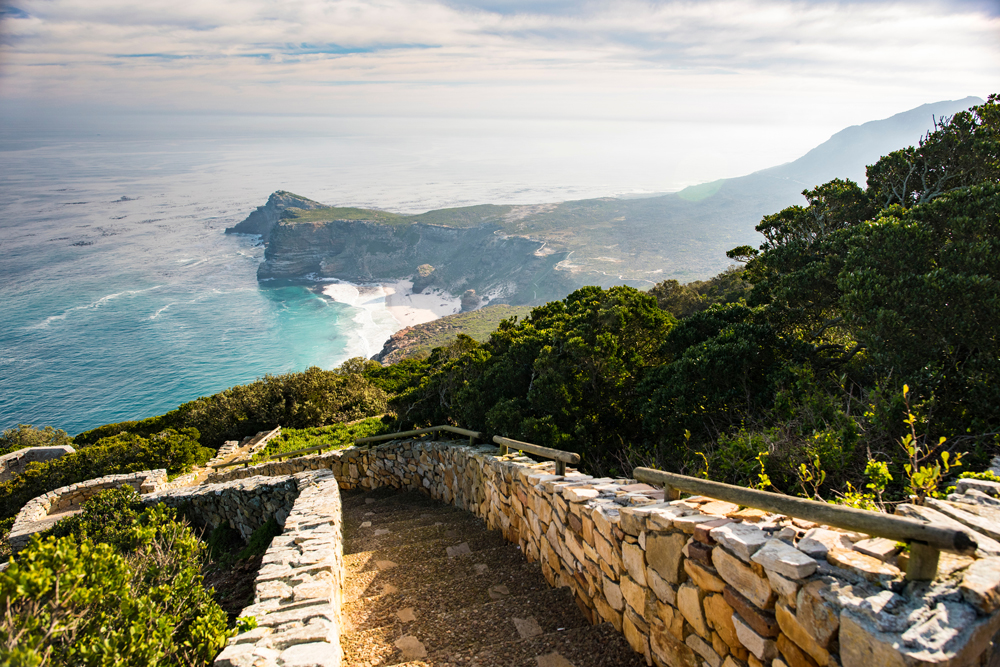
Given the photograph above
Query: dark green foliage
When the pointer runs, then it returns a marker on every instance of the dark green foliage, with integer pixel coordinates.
(565, 377)
(138, 600)
(26, 435)
(110, 517)
(921, 287)
(260, 539)
(124, 453)
(314, 397)
(684, 300)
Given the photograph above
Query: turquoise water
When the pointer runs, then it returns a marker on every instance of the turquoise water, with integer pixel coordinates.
(121, 297)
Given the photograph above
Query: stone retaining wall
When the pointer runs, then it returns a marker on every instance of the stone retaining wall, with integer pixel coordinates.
(298, 591)
(16, 462)
(34, 516)
(244, 504)
(700, 582)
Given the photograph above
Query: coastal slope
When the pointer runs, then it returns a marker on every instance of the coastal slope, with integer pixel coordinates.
(535, 253)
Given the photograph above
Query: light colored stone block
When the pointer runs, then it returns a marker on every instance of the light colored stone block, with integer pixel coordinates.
(633, 593)
(740, 576)
(981, 585)
(634, 559)
(742, 539)
(689, 599)
(663, 590)
(817, 542)
(791, 627)
(761, 647)
(663, 553)
(785, 560)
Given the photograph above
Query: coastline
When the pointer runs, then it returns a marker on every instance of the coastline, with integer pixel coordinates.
(385, 308)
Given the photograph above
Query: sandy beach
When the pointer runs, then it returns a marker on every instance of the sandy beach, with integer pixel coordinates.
(384, 309)
(409, 308)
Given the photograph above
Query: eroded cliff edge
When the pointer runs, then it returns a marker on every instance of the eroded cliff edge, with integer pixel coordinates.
(505, 268)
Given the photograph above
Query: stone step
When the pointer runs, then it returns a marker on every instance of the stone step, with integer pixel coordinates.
(389, 534)
(371, 582)
(443, 635)
(434, 597)
(462, 543)
(590, 646)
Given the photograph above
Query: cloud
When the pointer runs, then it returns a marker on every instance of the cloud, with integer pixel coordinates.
(712, 59)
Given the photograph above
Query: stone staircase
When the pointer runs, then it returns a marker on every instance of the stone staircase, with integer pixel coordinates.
(427, 584)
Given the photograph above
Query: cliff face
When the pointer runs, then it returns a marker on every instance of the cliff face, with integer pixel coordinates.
(480, 258)
(264, 218)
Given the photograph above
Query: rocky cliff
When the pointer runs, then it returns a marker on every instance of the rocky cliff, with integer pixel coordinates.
(513, 269)
(265, 217)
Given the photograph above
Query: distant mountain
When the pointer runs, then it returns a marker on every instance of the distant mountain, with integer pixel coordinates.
(527, 254)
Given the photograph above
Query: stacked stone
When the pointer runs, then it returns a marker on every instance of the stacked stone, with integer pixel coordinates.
(33, 516)
(228, 447)
(298, 591)
(243, 504)
(698, 581)
(15, 463)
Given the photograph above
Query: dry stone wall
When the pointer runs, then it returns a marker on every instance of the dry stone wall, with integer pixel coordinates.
(40, 513)
(298, 590)
(701, 582)
(16, 462)
(244, 504)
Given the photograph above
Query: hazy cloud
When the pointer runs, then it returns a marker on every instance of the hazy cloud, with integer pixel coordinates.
(551, 58)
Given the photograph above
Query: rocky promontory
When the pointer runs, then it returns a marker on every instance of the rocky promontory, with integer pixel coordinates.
(361, 246)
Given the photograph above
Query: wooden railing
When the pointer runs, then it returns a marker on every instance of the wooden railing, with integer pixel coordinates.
(560, 457)
(926, 541)
(472, 435)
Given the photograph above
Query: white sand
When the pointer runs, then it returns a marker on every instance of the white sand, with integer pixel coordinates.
(385, 309)
(409, 308)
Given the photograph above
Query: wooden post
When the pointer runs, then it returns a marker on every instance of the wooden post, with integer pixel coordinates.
(670, 493)
(561, 468)
(472, 440)
(923, 563)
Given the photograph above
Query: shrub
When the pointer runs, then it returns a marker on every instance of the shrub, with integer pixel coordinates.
(26, 435)
(124, 453)
(71, 601)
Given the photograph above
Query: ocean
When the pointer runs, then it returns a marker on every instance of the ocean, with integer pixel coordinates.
(122, 297)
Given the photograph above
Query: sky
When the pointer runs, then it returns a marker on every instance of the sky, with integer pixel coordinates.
(830, 64)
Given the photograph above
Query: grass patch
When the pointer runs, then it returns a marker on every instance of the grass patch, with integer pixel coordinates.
(328, 213)
(479, 324)
(335, 436)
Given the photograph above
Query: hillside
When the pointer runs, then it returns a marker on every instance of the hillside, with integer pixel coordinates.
(418, 341)
(532, 253)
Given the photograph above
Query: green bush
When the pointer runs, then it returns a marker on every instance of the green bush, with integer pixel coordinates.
(140, 601)
(334, 437)
(175, 451)
(311, 398)
(26, 435)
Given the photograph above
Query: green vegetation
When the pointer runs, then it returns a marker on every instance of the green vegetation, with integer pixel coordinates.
(314, 397)
(175, 451)
(116, 585)
(789, 373)
(26, 435)
(419, 340)
(694, 297)
(335, 436)
(294, 216)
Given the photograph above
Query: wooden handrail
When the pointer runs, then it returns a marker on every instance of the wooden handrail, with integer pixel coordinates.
(560, 457)
(472, 435)
(925, 540)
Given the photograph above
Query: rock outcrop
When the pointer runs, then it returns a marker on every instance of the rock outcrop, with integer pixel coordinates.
(509, 268)
(264, 218)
